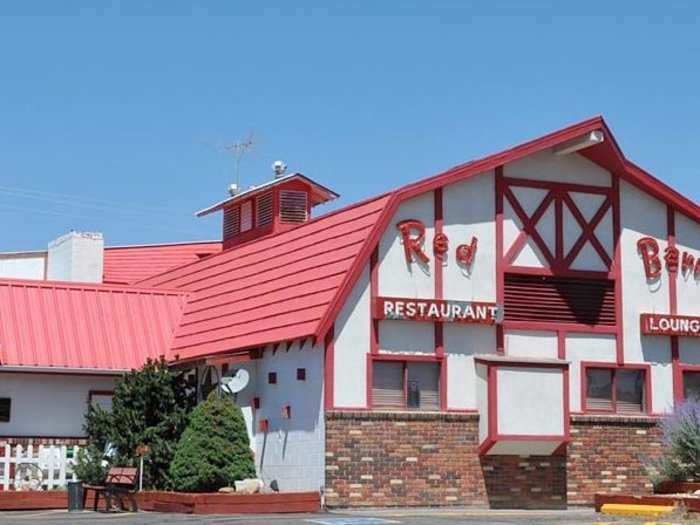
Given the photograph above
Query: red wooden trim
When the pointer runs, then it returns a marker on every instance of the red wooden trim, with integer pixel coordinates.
(559, 186)
(588, 231)
(369, 362)
(561, 344)
(585, 365)
(500, 263)
(439, 294)
(617, 270)
(567, 404)
(530, 437)
(559, 228)
(519, 363)
(530, 222)
(492, 395)
(676, 371)
(329, 369)
(373, 293)
(549, 326)
(428, 358)
(438, 212)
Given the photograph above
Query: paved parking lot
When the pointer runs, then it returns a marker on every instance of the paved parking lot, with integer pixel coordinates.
(379, 517)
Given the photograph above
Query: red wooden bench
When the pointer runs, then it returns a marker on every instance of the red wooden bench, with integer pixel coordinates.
(120, 482)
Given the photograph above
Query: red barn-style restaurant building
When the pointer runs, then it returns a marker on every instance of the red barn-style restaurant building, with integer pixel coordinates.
(507, 332)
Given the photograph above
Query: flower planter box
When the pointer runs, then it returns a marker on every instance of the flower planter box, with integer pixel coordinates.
(183, 503)
(218, 503)
(33, 500)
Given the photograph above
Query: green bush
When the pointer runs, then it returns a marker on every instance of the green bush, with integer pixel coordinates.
(150, 407)
(214, 449)
(90, 465)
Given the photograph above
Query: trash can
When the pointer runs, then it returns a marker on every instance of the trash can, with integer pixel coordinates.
(75, 496)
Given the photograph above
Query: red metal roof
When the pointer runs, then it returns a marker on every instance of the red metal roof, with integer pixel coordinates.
(82, 326)
(129, 264)
(273, 289)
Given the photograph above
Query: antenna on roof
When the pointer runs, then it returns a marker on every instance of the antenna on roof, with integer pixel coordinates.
(238, 149)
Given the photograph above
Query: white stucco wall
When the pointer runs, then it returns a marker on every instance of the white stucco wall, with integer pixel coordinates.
(530, 401)
(48, 405)
(406, 337)
(293, 450)
(352, 344)
(76, 256)
(586, 347)
(688, 287)
(461, 343)
(530, 343)
(644, 216)
(396, 276)
(547, 166)
(23, 266)
(469, 210)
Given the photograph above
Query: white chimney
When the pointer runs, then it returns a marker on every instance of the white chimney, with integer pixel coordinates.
(76, 256)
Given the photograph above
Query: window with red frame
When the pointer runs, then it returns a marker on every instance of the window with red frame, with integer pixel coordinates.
(401, 385)
(617, 390)
(691, 385)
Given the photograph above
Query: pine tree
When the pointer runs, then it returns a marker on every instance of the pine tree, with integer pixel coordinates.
(214, 450)
(150, 407)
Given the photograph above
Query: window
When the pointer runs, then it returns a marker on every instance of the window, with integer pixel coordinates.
(246, 216)
(399, 385)
(5, 409)
(272, 378)
(102, 399)
(619, 390)
(691, 385)
(301, 374)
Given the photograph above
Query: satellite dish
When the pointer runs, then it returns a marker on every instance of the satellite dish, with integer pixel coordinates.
(236, 382)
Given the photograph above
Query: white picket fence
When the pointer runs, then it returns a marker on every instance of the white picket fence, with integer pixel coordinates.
(44, 467)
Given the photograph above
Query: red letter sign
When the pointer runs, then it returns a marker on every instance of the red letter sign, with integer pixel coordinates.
(413, 245)
(440, 244)
(466, 252)
(649, 249)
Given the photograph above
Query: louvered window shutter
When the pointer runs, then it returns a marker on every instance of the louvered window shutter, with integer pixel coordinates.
(424, 379)
(559, 299)
(387, 388)
(232, 222)
(293, 206)
(263, 210)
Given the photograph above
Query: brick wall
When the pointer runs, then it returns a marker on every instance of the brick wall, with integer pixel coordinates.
(414, 459)
(608, 454)
(407, 459)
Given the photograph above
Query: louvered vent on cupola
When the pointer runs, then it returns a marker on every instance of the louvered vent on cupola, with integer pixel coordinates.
(277, 205)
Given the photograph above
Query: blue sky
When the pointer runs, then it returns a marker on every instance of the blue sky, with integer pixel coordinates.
(113, 114)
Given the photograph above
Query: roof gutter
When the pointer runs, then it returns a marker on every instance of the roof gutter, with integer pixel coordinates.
(62, 370)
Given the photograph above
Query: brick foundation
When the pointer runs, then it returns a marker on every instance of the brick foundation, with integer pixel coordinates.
(608, 454)
(414, 459)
